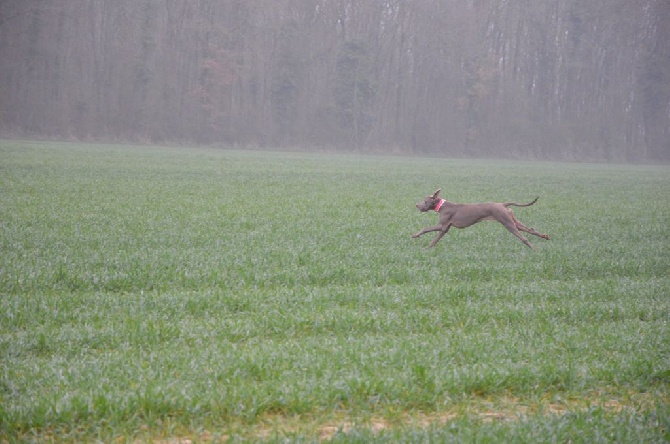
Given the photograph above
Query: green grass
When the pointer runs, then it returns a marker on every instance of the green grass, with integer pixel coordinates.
(164, 293)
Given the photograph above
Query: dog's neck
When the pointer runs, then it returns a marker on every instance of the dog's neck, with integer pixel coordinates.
(439, 204)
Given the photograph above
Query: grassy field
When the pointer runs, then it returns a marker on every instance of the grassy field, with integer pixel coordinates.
(166, 295)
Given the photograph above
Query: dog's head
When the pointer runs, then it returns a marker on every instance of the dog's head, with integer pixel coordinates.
(430, 202)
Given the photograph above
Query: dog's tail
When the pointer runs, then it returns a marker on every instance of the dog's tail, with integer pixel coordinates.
(508, 204)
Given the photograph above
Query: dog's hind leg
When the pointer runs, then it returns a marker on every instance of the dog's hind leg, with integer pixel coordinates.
(532, 231)
(511, 226)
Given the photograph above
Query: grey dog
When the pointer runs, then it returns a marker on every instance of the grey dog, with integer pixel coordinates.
(463, 215)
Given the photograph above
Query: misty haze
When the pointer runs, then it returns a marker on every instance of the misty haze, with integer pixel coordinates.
(229, 221)
(546, 79)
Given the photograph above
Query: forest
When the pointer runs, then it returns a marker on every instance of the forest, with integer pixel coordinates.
(568, 80)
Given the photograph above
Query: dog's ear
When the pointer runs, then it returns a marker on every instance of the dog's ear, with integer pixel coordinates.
(437, 193)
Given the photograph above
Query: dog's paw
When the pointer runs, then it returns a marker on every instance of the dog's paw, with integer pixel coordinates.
(415, 235)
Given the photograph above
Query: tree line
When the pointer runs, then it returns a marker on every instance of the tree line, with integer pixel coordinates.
(532, 79)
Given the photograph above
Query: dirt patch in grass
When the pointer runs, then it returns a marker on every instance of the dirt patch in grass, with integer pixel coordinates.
(494, 410)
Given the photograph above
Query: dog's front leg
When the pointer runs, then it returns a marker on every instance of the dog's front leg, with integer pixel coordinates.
(439, 236)
(427, 230)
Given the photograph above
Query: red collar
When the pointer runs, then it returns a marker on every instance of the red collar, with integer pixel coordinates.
(439, 205)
